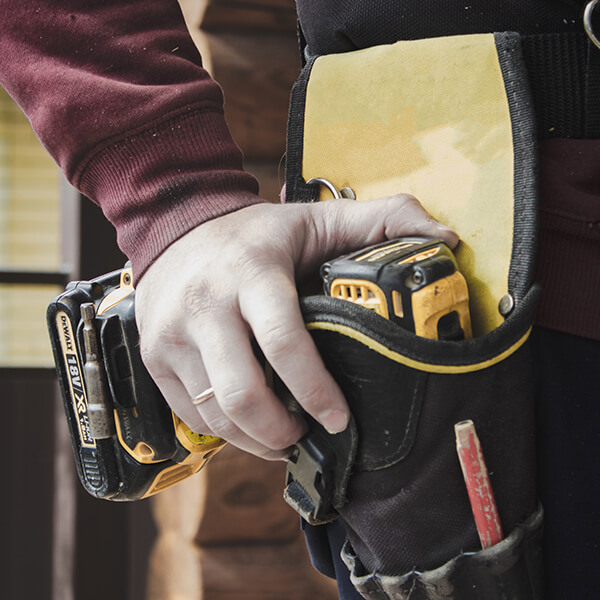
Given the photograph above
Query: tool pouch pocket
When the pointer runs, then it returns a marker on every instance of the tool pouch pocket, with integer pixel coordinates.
(405, 505)
(450, 121)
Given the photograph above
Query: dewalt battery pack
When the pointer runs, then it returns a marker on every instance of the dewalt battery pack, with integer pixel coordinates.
(127, 442)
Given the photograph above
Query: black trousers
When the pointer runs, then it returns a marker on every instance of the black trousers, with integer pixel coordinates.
(568, 440)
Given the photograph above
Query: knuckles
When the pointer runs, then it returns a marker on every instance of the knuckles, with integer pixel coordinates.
(407, 199)
(242, 405)
(405, 203)
(238, 402)
(225, 429)
(278, 340)
(315, 398)
(198, 298)
(159, 340)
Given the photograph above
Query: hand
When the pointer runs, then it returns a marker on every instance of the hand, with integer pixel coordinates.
(234, 277)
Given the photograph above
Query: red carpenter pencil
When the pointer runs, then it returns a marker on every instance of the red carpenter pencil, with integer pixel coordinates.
(478, 484)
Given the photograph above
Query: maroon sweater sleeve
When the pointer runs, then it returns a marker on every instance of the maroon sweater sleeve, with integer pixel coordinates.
(116, 92)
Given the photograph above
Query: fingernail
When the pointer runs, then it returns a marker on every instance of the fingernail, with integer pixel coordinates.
(334, 421)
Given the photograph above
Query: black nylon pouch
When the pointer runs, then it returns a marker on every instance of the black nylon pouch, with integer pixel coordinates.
(404, 502)
(406, 505)
(397, 480)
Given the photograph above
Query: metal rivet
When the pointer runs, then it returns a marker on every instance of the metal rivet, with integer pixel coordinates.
(348, 193)
(506, 305)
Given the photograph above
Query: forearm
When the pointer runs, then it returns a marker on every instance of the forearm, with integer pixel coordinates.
(117, 94)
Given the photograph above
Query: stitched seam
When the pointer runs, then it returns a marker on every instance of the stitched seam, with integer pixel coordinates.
(519, 134)
(415, 413)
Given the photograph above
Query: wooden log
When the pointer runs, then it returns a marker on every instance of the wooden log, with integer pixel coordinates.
(227, 534)
(257, 73)
(261, 572)
(244, 503)
(174, 571)
(255, 67)
(242, 15)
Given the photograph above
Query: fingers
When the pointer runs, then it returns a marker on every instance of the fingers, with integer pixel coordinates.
(243, 397)
(181, 384)
(272, 310)
(405, 215)
(339, 226)
(230, 279)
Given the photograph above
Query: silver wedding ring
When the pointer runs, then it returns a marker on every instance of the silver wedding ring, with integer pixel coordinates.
(203, 396)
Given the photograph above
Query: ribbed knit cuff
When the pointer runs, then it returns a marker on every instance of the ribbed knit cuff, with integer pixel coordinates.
(157, 184)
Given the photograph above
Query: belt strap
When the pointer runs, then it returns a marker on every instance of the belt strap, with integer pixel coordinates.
(564, 74)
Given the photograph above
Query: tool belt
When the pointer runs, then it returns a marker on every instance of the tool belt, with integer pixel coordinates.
(450, 121)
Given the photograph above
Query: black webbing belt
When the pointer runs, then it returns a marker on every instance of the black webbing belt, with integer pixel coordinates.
(564, 74)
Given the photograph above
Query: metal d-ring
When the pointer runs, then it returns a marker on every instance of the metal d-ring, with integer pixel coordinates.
(587, 22)
(345, 192)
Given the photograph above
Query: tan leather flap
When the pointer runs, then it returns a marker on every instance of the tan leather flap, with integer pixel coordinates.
(430, 118)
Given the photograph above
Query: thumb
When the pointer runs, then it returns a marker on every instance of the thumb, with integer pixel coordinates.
(340, 226)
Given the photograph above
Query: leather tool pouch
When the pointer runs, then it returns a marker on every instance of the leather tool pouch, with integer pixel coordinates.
(450, 121)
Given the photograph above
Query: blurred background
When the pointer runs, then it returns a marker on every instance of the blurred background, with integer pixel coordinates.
(226, 533)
